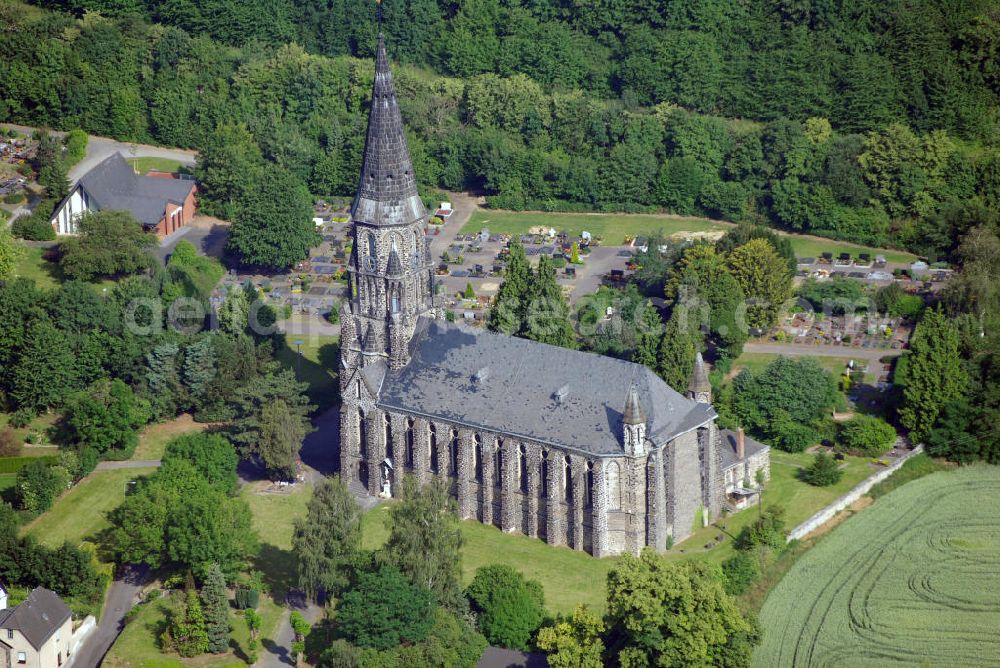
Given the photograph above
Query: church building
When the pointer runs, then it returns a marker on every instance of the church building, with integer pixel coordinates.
(577, 449)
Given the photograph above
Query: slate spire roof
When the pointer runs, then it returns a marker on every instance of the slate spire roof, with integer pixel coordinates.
(387, 192)
(699, 378)
(633, 411)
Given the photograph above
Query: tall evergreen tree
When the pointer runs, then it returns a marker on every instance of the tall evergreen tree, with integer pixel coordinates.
(675, 354)
(507, 314)
(45, 374)
(187, 627)
(327, 538)
(648, 337)
(934, 374)
(215, 602)
(547, 317)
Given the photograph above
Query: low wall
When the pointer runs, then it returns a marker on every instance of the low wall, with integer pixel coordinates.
(825, 515)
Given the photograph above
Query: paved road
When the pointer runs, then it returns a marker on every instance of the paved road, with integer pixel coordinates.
(99, 148)
(121, 598)
(793, 350)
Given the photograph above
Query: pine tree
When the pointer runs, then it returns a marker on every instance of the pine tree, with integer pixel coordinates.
(215, 601)
(199, 367)
(547, 318)
(507, 314)
(675, 355)
(648, 339)
(934, 374)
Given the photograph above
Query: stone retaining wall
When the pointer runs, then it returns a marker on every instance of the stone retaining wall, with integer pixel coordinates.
(825, 515)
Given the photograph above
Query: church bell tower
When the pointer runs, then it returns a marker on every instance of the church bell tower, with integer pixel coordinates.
(390, 271)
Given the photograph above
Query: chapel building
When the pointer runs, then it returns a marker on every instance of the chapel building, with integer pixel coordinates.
(577, 449)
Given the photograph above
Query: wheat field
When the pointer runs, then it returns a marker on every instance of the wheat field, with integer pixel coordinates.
(913, 580)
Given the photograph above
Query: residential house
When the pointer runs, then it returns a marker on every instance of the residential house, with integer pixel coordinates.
(37, 633)
(161, 202)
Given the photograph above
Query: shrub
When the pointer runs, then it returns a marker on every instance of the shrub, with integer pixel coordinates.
(38, 485)
(823, 471)
(212, 454)
(341, 654)
(247, 598)
(740, 571)
(14, 198)
(21, 418)
(768, 530)
(867, 436)
(509, 607)
(35, 227)
(9, 447)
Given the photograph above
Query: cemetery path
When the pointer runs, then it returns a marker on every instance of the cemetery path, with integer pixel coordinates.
(128, 464)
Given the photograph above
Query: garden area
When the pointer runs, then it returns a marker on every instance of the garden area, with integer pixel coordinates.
(911, 580)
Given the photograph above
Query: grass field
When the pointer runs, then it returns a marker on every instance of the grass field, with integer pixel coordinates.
(143, 165)
(569, 577)
(274, 516)
(912, 580)
(613, 227)
(153, 440)
(79, 514)
(756, 362)
(33, 266)
(318, 366)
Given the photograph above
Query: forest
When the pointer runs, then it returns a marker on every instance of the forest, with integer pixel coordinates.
(869, 121)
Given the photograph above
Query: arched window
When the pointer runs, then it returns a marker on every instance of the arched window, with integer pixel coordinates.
(544, 487)
(614, 486)
(589, 499)
(522, 468)
(453, 453)
(371, 245)
(388, 438)
(498, 464)
(568, 479)
(362, 435)
(409, 442)
(394, 300)
(478, 454)
(435, 464)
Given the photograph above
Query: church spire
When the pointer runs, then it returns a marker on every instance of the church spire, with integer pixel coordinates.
(387, 191)
(700, 389)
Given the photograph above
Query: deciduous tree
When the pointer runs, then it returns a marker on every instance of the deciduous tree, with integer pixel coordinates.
(327, 538)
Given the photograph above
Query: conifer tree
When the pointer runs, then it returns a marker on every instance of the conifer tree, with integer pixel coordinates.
(215, 602)
(934, 374)
(675, 355)
(648, 338)
(507, 314)
(547, 318)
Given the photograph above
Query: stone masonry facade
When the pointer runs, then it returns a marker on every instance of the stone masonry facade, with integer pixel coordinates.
(643, 490)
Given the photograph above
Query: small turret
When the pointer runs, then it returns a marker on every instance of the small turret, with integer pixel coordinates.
(634, 425)
(700, 389)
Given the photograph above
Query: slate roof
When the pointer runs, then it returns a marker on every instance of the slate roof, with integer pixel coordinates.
(113, 185)
(750, 447)
(37, 617)
(510, 385)
(387, 193)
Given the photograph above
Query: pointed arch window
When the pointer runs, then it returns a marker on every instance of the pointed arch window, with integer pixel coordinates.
(435, 464)
(478, 454)
(387, 427)
(362, 434)
(588, 501)
(409, 442)
(498, 464)
(522, 468)
(568, 479)
(453, 453)
(371, 245)
(544, 487)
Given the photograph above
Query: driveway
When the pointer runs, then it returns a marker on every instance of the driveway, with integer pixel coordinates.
(99, 148)
(121, 598)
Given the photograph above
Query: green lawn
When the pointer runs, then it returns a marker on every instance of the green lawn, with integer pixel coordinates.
(153, 440)
(570, 577)
(273, 520)
(613, 227)
(318, 366)
(39, 426)
(143, 165)
(33, 266)
(79, 514)
(138, 645)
